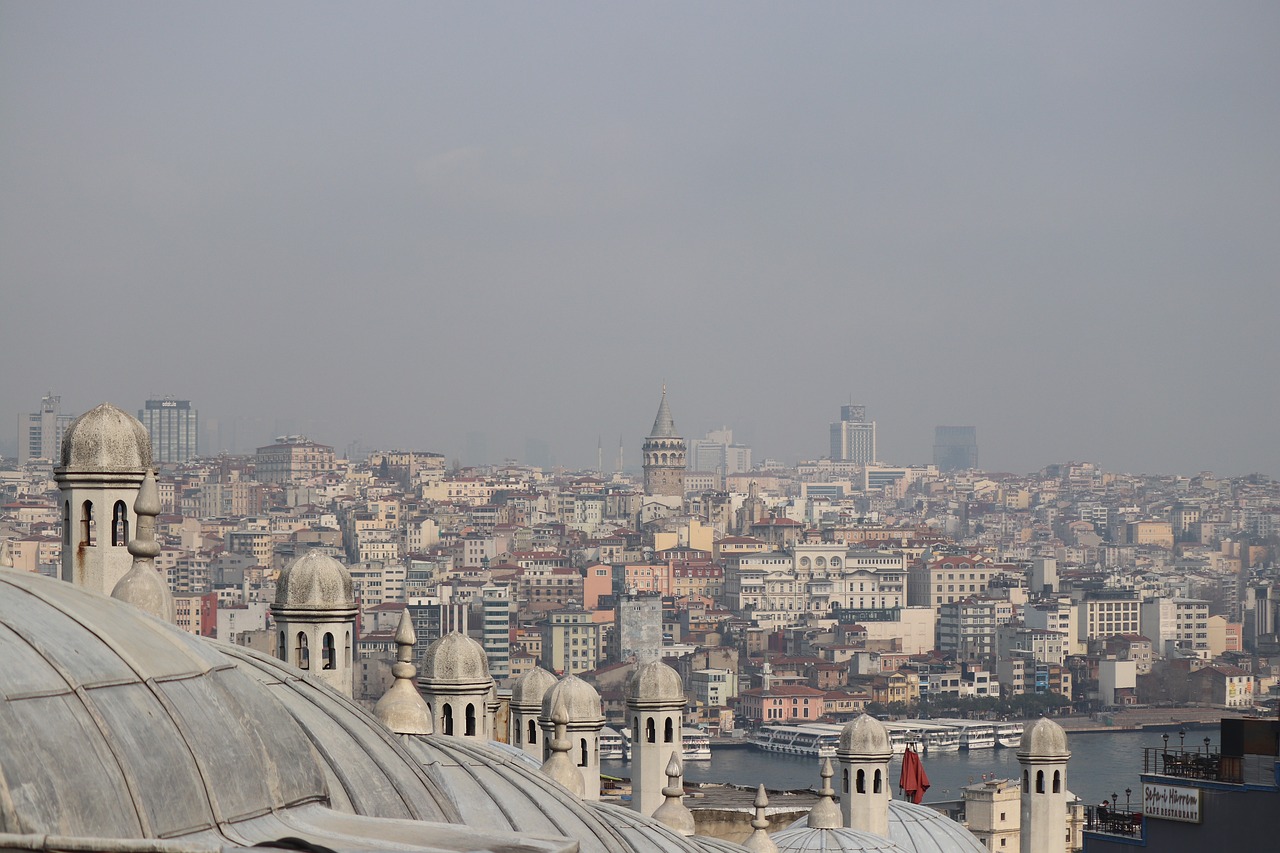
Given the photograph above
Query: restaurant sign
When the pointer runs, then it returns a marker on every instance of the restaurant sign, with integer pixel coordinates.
(1170, 802)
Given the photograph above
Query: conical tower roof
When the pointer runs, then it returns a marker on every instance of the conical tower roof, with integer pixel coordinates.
(663, 425)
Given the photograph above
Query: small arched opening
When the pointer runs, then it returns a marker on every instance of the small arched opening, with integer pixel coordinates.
(650, 731)
(877, 783)
(87, 524)
(66, 524)
(446, 718)
(301, 654)
(328, 652)
(862, 781)
(845, 783)
(533, 732)
(470, 720)
(1039, 781)
(1057, 782)
(119, 525)
(668, 731)
(582, 758)
(282, 648)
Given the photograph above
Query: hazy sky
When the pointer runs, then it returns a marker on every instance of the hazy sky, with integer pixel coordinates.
(405, 223)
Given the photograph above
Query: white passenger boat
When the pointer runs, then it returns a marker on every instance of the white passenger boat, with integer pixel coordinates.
(816, 739)
(974, 734)
(695, 745)
(610, 743)
(935, 736)
(1008, 735)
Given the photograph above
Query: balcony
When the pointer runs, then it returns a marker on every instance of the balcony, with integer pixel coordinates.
(1198, 763)
(1111, 819)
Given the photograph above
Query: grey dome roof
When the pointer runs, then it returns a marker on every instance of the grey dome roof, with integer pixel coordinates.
(654, 681)
(315, 581)
(455, 660)
(1045, 739)
(580, 701)
(528, 690)
(801, 839)
(912, 829)
(106, 439)
(865, 735)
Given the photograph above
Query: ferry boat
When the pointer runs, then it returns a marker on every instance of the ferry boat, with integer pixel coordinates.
(610, 743)
(935, 736)
(695, 745)
(1008, 735)
(974, 734)
(815, 739)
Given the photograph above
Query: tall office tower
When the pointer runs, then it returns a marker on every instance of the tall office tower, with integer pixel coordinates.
(40, 433)
(718, 453)
(174, 427)
(955, 448)
(853, 437)
(664, 455)
(496, 601)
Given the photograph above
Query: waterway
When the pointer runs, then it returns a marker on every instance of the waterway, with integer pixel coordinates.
(1101, 763)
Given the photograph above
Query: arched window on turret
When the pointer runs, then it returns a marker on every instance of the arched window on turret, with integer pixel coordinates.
(301, 655)
(471, 720)
(876, 785)
(650, 731)
(346, 653)
(533, 732)
(283, 648)
(668, 732)
(862, 781)
(119, 524)
(66, 524)
(845, 784)
(1026, 781)
(1057, 782)
(446, 715)
(328, 652)
(582, 761)
(1039, 781)
(86, 523)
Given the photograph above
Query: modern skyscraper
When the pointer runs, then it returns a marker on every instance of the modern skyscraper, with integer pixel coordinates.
(853, 437)
(718, 453)
(955, 448)
(174, 427)
(664, 455)
(40, 433)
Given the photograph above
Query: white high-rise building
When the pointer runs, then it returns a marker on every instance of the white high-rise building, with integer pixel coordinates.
(853, 437)
(174, 427)
(40, 433)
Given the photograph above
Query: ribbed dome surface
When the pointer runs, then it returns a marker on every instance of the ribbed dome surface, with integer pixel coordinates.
(315, 581)
(455, 659)
(802, 839)
(580, 701)
(106, 439)
(1044, 738)
(529, 689)
(912, 829)
(655, 682)
(865, 735)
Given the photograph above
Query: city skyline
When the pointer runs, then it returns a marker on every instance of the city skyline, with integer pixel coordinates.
(404, 225)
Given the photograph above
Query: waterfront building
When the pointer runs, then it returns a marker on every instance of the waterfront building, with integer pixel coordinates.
(174, 427)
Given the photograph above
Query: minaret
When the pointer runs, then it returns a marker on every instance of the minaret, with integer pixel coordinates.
(526, 705)
(584, 721)
(105, 454)
(142, 585)
(315, 613)
(864, 752)
(1043, 755)
(655, 708)
(456, 683)
(664, 455)
(402, 708)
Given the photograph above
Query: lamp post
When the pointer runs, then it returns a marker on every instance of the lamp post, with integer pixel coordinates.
(1182, 738)
(1206, 746)
(1165, 737)
(1128, 792)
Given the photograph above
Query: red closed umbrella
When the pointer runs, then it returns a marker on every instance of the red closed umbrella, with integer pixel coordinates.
(914, 781)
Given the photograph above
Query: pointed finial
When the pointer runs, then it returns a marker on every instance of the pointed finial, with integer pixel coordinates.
(402, 708)
(142, 585)
(759, 840)
(673, 812)
(825, 814)
(6, 556)
(559, 766)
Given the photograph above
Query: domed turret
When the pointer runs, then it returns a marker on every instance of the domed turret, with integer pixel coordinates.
(315, 613)
(655, 706)
(456, 683)
(106, 439)
(526, 706)
(105, 454)
(1044, 739)
(1043, 755)
(864, 752)
(865, 735)
(584, 721)
(655, 682)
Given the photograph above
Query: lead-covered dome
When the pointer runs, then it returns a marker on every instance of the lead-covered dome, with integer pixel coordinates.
(802, 839)
(528, 690)
(454, 660)
(580, 701)
(314, 581)
(865, 735)
(106, 439)
(655, 682)
(1044, 739)
(912, 828)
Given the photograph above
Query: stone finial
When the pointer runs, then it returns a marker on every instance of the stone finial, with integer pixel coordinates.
(142, 585)
(673, 812)
(559, 766)
(825, 814)
(6, 556)
(759, 841)
(402, 708)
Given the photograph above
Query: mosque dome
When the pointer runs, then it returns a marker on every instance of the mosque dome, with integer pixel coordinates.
(528, 690)
(802, 839)
(865, 735)
(106, 439)
(1044, 739)
(455, 660)
(655, 683)
(580, 701)
(314, 581)
(912, 829)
